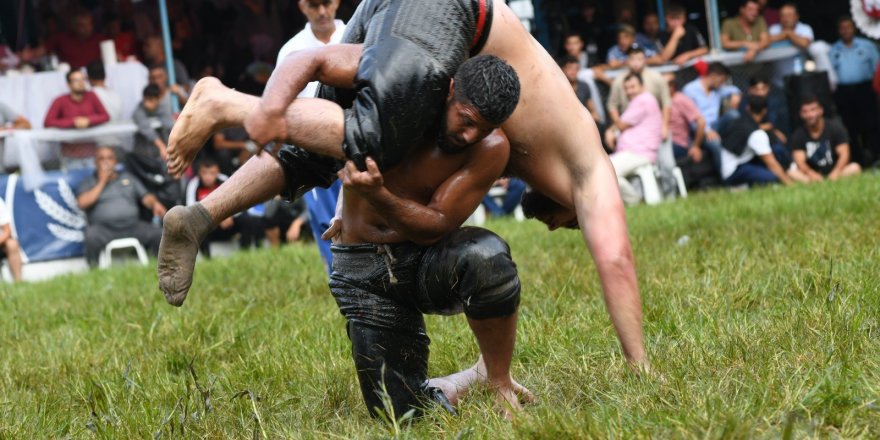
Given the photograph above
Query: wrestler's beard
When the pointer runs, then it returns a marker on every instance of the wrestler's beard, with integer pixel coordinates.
(443, 140)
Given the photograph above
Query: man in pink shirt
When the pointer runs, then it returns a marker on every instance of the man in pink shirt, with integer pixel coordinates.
(636, 137)
(80, 45)
(80, 109)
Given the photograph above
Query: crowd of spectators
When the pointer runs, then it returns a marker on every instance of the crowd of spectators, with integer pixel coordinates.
(717, 133)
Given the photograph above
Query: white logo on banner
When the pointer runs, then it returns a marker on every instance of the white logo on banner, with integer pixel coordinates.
(72, 220)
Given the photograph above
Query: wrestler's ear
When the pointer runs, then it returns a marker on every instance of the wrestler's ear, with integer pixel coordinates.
(451, 89)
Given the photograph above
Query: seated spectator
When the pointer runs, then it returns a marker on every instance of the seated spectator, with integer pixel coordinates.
(569, 67)
(649, 38)
(154, 56)
(206, 181)
(653, 82)
(617, 55)
(776, 112)
(159, 77)
(111, 100)
(229, 148)
(9, 248)
(639, 136)
(820, 147)
(746, 32)
(291, 218)
(80, 109)
(514, 191)
(80, 45)
(154, 124)
(682, 41)
(574, 47)
(111, 200)
(747, 157)
(709, 93)
(684, 119)
(855, 61)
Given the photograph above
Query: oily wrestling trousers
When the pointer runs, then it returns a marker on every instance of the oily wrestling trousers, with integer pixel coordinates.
(411, 50)
(384, 290)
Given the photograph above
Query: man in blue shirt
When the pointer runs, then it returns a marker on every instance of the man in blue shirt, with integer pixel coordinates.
(709, 93)
(855, 61)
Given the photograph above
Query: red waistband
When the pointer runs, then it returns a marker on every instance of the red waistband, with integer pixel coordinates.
(481, 23)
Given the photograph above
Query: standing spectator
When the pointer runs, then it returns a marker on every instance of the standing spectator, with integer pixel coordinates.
(855, 61)
(569, 67)
(111, 100)
(204, 183)
(79, 46)
(653, 83)
(111, 201)
(682, 41)
(9, 248)
(154, 124)
(709, 93)
(820, 147)
(158, 76)
(514, 189)
(322, 29)
(79, 109)
(154, 54)
(745, 32)
(635, 137)
(574, 47)
(791, 32)
(747, 157)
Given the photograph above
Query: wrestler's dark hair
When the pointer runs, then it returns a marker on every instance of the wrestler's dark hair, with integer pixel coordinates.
(534, 204)
(151, 91)
(490, 85)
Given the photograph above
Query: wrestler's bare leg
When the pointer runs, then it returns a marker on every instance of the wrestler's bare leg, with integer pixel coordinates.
(312, 124)
(185, 227)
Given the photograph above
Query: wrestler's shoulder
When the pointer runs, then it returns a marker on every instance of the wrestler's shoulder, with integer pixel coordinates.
(495, 146)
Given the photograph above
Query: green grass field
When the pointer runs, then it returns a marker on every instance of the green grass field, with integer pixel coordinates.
(764, 324)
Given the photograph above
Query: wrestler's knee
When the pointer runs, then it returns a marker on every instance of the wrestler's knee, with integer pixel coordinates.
(489, 285)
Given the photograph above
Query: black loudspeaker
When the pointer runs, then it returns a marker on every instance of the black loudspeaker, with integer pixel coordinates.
(808, 84)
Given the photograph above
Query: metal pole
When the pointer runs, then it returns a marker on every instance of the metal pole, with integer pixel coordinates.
(712, 19)
(169, 56)
(661, 16)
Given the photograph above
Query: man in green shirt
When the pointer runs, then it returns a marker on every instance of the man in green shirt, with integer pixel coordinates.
(746, 32)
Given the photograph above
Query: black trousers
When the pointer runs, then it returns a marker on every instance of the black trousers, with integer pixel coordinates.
(469, 271)
(857, 105)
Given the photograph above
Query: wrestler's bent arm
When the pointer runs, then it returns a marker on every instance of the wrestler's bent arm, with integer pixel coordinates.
(334, 65)
(602, 218)
(452, 203)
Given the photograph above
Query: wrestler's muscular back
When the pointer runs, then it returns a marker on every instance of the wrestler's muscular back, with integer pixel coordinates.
(549, 126)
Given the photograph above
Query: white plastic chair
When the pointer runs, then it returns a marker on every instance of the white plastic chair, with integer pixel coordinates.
(106, 256)
(647, 174)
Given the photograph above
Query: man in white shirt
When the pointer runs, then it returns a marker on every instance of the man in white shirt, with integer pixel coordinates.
(747, 157)
(9, 248)
(321, 30)
(790, 31)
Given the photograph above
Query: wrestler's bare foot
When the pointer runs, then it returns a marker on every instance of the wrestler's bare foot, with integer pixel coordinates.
(211, 107)
(184, 229)
(510, 395)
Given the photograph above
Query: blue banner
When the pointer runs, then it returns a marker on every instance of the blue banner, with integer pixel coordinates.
(47, 222)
